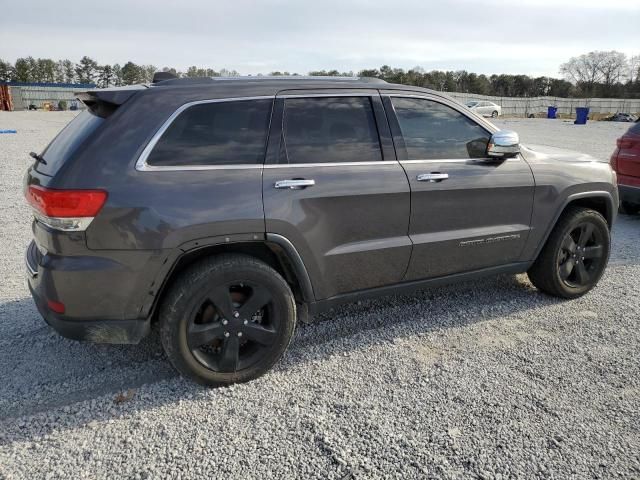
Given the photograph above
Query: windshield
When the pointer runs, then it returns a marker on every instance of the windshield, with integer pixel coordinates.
(67, 141)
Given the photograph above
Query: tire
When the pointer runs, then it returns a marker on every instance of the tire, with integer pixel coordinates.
(494, 114)
(227, 320)
(569, 264)
(627, 208)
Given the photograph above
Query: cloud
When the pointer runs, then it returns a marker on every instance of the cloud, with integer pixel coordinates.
(486, 36)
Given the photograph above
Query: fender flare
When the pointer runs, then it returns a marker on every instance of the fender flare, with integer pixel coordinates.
(295, 259)
(156, 289)
(610, 216)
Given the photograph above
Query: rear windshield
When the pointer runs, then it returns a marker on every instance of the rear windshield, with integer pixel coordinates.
(67, 142)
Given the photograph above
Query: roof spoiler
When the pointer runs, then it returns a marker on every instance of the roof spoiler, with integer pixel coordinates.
(104, 102)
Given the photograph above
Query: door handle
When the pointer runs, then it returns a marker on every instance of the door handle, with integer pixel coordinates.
(432, 177)
(295, 184)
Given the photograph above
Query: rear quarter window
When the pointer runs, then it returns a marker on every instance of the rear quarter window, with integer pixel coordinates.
(66, 143)
(635, 128)
(216, 133)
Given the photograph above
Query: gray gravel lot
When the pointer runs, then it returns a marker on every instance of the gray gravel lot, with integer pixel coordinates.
(487, 379)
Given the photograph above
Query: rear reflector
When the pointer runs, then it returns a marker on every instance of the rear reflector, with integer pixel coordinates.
(57, 307)
(65, 209)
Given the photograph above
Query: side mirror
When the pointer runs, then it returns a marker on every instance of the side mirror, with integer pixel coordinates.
(504, 144)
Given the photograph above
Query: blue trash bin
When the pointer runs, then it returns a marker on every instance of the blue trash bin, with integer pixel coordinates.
(582, 114)
(551, 112)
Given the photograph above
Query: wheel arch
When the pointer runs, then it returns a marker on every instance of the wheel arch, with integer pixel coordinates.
(274, 250)
(600, 201)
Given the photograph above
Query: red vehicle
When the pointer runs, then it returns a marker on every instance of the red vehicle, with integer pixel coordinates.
(626, 162)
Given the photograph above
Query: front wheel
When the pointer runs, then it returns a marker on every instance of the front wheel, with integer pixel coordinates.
(575, 255)
(228, 319)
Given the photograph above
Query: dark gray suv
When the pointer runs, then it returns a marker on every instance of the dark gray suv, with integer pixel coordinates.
(226, 209)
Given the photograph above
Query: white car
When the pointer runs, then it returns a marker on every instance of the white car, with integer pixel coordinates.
(486, 109)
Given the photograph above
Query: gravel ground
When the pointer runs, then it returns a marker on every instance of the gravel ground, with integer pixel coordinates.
(485, 379)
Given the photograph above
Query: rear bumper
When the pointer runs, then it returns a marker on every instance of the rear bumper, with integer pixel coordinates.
(46, 284)
(629, 194)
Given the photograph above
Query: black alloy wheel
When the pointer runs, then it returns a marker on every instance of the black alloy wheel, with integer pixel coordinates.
(575, 255)
(581, 254)
(227, 319)
(233, 327)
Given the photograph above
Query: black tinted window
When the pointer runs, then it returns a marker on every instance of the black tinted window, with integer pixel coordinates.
(330, 129)
(221, 133)
(635, 128)
(434, 131)
(68, 141)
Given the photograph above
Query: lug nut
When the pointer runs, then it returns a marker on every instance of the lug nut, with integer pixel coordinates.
(246, 322)
(226, 334)
(239, 334)
(225, 321)
(236, 314)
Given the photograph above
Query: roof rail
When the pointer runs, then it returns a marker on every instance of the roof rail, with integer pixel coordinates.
(168, 79)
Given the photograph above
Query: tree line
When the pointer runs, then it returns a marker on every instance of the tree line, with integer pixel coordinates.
(595, 74)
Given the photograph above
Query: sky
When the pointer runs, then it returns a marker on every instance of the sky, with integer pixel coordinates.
(484, 36)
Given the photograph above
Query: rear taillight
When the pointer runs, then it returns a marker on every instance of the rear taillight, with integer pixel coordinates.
(625, 142)
(69, 210)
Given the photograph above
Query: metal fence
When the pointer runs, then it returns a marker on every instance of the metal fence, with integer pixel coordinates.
(24, 95)
(524, 107)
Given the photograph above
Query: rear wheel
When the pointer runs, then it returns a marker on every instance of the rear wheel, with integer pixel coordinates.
(227, 320)
(575, 255)
(494, 114)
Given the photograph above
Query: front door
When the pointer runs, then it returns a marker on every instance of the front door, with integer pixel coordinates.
(468, 211)
(335, 190)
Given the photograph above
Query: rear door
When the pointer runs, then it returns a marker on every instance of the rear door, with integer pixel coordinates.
(468, 211)
(333, 187)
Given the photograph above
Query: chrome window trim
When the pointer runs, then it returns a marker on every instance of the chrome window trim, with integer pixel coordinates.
(320, 95)
(331, 164)
(460, 160)
(143, 166)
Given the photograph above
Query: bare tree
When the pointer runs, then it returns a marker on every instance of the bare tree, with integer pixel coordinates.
(613, 67)
(583, 70)
(591, 68)
(634, 68)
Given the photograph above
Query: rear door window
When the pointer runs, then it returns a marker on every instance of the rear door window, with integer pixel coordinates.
(216, 133)
(330, 130)
(432, 130)
(67, 142)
